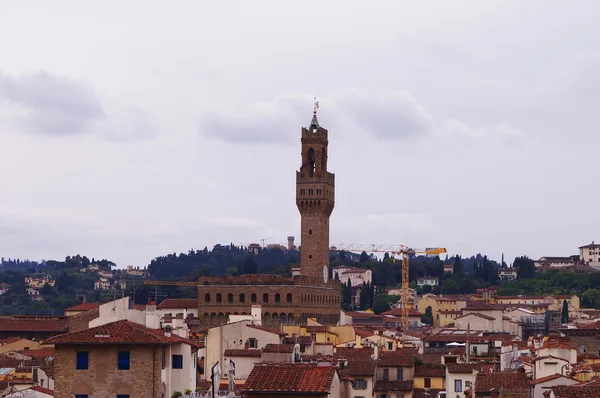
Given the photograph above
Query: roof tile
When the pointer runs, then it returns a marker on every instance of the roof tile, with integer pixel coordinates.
(120, 332)
(505, 382)
(177, 303)
(270, 377)
(242, 353)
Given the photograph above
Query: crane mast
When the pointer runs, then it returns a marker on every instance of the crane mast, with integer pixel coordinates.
(404, 252)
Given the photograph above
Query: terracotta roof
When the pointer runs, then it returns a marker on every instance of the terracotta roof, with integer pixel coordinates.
(84, 307)
(425, 392)
(264, 329)
(489, 318)
(242, 353)
(353, 354)
(430, 371)
(398, 312)
(393, 385)
(545, 379)
(43, 390)
(120, 332)
(268, 377)
(316, 328)
(178, 303)
(584, 391)
(363, 332)
(462, 367)
(515, 382)
(38, 354)
(358, 368)
(402, 357)
(12, 324)
(279, 348)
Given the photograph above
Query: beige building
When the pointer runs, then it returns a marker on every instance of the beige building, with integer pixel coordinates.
(445, 309)
(459, 378)
(17, 344)
(123, 358)
(590, 254)
(241, 335)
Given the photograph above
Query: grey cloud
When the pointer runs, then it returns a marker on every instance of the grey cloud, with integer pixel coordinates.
(46, 104)
(54, 105)
(271, 122)
(385, 114)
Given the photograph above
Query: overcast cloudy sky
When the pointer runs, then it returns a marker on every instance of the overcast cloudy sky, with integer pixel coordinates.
(130, 130)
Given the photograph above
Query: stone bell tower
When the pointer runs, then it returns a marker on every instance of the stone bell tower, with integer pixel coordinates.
(315, 198)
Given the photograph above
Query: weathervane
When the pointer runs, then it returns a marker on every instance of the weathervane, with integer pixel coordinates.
(316, 108)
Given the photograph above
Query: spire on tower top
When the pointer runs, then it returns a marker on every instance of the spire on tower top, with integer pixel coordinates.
(314, 123)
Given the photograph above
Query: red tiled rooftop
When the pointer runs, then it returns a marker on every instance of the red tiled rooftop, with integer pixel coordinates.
(120, 332)
(545, 379)
(430, 371)
(84, 307)
(32, 324)
(462, 367)
(353, 354)
(357, 368)
(402, 357)
(242, 353)
(38, 354)
(267, 377)
(393, 385)
(279, 348)
(43, 390)
(502, 381)
(178, 303)
(578, 391)
(315, 329)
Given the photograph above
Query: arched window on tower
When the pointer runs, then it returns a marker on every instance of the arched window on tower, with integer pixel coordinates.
(207, 298)
(311, 161)
(289, 297)
(324, 160)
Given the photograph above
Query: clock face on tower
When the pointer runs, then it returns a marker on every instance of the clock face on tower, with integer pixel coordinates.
(325, 274)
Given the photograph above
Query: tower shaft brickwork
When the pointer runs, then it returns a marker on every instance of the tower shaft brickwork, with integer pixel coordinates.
(315, 199)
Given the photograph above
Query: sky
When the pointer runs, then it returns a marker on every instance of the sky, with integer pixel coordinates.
(130, 130)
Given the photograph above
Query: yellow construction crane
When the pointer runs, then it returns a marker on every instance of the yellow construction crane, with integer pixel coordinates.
(404, 252)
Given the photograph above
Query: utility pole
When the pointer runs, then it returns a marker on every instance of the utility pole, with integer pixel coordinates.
(468, 345)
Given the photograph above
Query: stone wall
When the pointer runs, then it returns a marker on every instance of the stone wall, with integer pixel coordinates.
(78, 322)
(102, 378)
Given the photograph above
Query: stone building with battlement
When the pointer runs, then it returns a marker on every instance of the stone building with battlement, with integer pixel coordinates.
(309, 293)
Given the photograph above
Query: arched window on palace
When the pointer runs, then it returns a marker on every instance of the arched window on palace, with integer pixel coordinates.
(219, 298)
(265, 298)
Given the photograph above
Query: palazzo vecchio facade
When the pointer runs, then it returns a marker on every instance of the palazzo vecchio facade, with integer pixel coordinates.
(308, 295)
